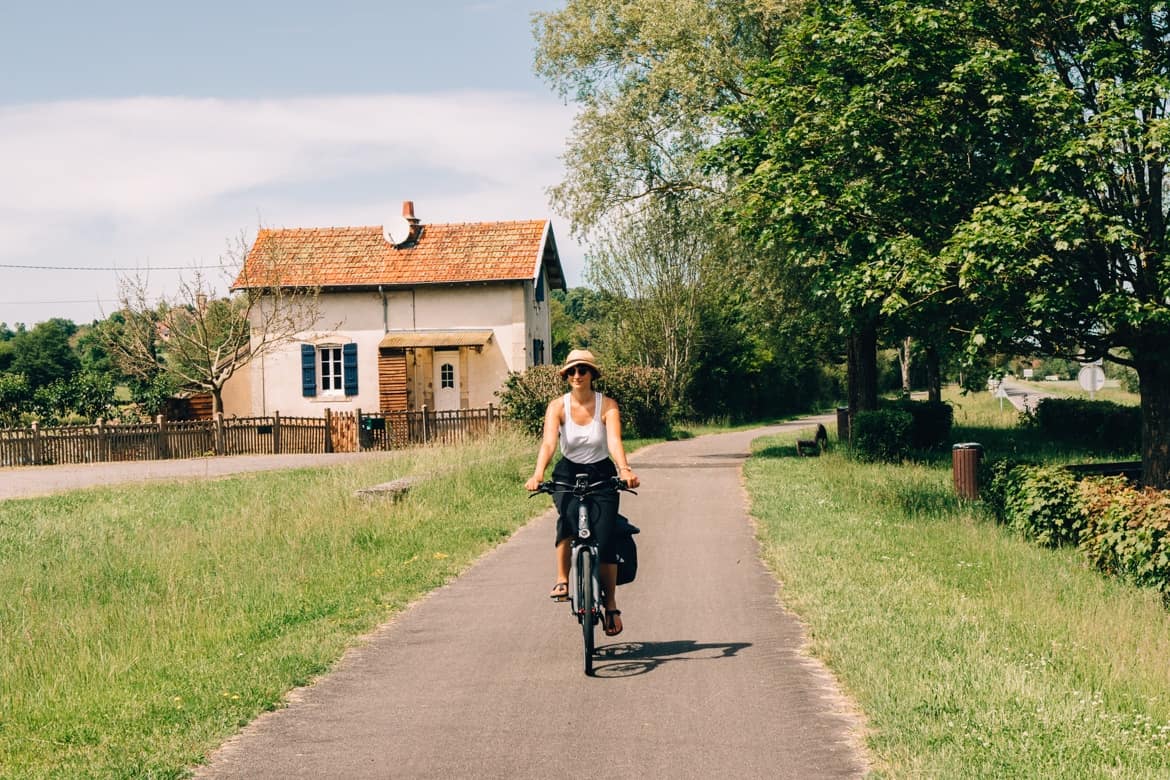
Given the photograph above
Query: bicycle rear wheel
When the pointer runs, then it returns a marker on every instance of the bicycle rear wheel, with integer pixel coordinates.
(587, 604)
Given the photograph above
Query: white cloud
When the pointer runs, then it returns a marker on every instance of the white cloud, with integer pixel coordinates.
(167, 181)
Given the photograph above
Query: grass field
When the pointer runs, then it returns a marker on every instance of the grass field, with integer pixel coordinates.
(143, 625)
(971, 652)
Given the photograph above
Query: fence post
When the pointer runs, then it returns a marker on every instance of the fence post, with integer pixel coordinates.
(328, 430)
(37, 453)
(357, 430)
(101, 446)
(219, 433)
(276, 432)
(426, 434)
(161, 450)
(491, 426)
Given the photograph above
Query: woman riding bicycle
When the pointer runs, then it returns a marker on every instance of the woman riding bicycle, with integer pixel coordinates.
(589, 428)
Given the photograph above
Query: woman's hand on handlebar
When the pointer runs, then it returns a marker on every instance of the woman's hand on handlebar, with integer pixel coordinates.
(532, 485)
(630, 478)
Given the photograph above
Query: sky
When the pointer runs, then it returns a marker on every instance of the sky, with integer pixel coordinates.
(148, 139)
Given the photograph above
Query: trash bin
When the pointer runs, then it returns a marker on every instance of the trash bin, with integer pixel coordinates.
(965, 464)
(843, 424)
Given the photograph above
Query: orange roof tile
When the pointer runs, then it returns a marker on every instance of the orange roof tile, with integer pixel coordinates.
(360, 256)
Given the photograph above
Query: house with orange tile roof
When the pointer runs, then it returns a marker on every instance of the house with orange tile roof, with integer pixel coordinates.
(411, 314)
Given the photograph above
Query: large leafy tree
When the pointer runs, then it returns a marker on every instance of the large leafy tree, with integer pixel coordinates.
(1072, 261)
(649, 77)
(869, 135)
(43, 354)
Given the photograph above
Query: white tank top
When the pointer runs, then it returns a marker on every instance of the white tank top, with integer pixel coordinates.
(584, 443)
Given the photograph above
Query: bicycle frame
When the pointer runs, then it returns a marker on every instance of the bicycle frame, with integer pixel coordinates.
(585, 593)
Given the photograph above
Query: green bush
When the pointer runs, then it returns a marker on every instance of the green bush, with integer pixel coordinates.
(641, 393)
(930, 427)
(1121, 530)
(525, 397)
(882, 435)
(1099, 425)
(995, 483)
(1044, 504)
(1128, 533)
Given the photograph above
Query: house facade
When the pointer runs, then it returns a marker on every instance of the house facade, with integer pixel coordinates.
(409, 314)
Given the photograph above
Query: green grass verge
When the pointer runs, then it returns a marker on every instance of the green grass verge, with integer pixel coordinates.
(971, 652)
(141, 626)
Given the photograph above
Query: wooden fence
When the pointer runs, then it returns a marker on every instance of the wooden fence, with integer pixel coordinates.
(162, 439)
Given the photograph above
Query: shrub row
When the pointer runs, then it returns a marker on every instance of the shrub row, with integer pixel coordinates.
(1099, 425)
(892, 432)
(1123, 531)
(641, 393)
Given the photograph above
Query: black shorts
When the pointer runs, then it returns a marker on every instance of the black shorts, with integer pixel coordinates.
(605, 505)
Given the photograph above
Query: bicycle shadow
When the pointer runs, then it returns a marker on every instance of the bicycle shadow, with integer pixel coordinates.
(629, 659)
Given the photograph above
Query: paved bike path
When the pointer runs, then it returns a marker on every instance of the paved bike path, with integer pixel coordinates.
(483, 678)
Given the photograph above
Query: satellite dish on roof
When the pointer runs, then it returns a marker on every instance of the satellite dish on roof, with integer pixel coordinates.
(396, 231)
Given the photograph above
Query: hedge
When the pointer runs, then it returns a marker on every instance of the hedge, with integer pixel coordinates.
(1122, 530)
(641, 393)
(931, 422)
(882, 435)
(1098, 425)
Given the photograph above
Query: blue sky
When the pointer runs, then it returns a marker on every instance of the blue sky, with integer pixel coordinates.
(148, 136)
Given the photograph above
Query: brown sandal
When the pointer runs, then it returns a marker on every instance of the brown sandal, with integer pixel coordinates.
(560, 592)
(611, 625)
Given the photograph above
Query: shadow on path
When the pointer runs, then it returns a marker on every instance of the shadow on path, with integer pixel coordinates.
(630, 659)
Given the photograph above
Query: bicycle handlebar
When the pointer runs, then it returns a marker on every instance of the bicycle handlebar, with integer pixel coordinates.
(582, 489)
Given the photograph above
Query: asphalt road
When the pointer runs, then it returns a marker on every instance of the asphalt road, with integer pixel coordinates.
(483, 678)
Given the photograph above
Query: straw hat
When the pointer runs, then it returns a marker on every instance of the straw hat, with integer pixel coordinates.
(581, 357)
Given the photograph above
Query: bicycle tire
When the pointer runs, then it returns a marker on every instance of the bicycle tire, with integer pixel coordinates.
(587, 604)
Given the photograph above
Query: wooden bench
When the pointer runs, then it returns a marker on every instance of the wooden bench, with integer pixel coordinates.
(814, 446)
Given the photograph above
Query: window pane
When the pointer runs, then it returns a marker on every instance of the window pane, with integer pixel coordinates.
(330, 368)
(447, 375)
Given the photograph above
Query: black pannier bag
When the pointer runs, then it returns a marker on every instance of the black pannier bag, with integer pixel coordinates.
(626, 550)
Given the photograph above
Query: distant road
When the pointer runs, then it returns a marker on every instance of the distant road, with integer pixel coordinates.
(28, 481)
(1022, 397)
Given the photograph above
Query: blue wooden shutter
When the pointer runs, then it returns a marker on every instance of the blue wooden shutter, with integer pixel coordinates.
(349, 368)
(308, 370)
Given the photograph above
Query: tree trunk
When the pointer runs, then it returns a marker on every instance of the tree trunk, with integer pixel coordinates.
(861, 370)
(1154, 377)
(216, 400)
(904, 358)
(933, 374)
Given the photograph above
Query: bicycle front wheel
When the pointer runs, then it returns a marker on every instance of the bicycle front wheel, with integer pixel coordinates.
(587, 604)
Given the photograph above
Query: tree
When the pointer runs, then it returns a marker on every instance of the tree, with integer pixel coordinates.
(656, 262)
(198, 340)
(1071, 261)
(43, 354)
(863, 147)
(650, 76)
(14, 398)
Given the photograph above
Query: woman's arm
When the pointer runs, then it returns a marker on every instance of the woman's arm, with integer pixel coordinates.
(548, 442)
(612, 417)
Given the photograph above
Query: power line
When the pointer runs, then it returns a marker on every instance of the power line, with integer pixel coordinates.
(113, 268)
(41, 303)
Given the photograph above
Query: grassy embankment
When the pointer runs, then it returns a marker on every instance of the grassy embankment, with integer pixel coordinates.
(142, 625)
(972, 653)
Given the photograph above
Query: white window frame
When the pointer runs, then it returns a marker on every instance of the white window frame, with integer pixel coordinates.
(330, 370)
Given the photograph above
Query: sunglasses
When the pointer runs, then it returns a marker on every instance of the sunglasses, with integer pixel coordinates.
(577, 370)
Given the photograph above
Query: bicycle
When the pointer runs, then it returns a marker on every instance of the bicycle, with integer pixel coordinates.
(585, 593)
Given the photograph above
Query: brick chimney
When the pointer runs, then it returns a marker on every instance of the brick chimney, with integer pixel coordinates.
(415, 225)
